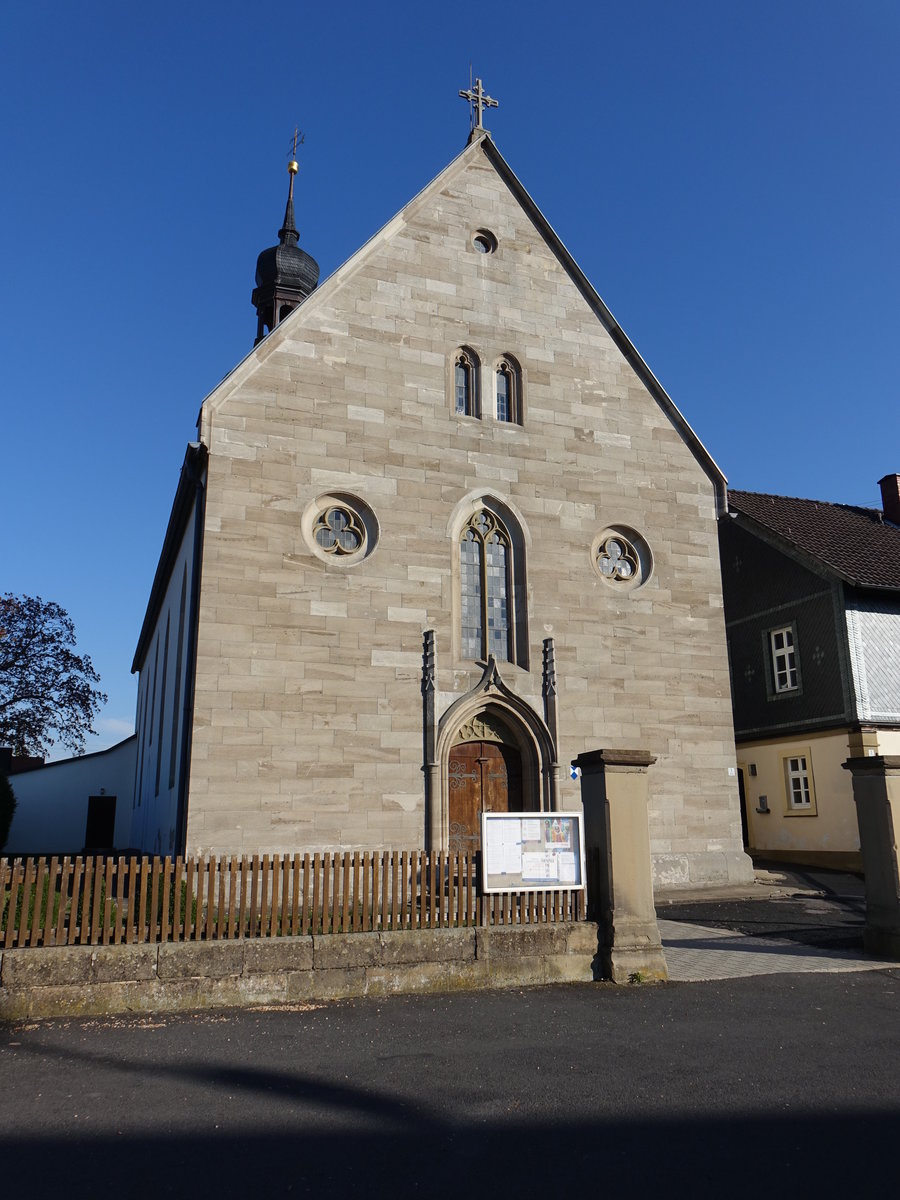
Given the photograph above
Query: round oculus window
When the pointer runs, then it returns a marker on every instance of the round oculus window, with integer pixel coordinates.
(340, 528)
(622, 558)
(484, 241)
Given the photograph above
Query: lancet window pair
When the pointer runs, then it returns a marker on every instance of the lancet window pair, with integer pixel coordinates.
(506, 387)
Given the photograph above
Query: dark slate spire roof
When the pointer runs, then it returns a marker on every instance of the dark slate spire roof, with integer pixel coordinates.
(288, 231)
(286, 266)
(285, 274)
(856, 544)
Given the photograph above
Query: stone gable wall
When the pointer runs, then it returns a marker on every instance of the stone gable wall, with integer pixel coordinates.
(308, 713)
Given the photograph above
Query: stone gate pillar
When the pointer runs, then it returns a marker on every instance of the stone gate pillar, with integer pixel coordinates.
(876, 790)
(614, 792)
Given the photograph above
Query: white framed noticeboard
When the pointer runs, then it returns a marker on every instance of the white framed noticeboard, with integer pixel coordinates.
(532, 851)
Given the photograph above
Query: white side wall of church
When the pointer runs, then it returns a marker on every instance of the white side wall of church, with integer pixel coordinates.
(160, 711)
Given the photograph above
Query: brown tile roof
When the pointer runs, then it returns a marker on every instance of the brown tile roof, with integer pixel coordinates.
(855, 544)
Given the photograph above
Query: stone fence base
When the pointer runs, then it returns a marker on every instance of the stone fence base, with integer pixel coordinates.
(98, 980)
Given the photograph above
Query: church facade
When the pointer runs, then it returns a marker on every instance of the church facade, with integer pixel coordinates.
(442, 532)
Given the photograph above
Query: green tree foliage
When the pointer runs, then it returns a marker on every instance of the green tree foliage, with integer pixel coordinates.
(46, 689)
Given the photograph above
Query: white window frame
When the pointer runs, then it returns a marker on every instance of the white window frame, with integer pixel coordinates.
(785, 672)
(800, 792)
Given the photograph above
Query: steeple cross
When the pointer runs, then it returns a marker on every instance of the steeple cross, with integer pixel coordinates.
(479, 101)
(297, 140)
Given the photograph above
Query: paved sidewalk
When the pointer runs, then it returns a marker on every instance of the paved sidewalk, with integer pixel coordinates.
(695, 952)
(790, 919)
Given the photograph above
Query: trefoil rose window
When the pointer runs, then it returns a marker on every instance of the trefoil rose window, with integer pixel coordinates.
(340, 528)
(622, 558)
(338, 531)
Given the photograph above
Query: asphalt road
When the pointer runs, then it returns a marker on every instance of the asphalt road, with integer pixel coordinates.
(779, 1085)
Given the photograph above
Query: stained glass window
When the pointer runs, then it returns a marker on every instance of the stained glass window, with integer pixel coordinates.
(472, 613)
(502, 396)
(508, 388)
(618, 559)
(338, 532)
(497, 611)
(464, 385)
(485, 589)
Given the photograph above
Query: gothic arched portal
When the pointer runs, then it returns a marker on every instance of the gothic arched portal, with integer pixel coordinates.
(485, 773)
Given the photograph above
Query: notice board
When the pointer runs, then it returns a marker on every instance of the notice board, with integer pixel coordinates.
(532, 851)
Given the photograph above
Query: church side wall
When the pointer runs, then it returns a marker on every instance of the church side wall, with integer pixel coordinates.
(162, 686)
(308, 730)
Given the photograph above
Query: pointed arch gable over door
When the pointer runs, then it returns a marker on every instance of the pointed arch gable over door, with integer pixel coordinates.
(494, 753)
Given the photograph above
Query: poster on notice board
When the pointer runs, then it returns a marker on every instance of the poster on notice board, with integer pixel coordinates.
(528, 851)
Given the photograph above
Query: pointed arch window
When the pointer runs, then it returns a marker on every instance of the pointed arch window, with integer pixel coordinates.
(465, 383)
(508, 390)
(492, 591)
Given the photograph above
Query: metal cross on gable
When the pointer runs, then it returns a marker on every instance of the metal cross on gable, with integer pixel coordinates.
(479, 101)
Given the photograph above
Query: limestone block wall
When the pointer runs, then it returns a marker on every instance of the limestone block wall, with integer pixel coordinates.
(97, 980)
(308, 712)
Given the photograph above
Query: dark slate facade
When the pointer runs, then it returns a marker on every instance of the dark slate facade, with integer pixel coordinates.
(764, 589)
(831, 573)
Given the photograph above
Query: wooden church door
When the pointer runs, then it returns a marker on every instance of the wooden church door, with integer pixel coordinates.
(484, 777)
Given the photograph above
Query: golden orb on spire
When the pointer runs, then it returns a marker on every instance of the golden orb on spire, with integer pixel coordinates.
(293, 166)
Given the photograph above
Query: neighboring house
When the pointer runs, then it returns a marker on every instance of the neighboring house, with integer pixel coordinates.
(75, 804)
(812, 610)
(442, 532)
(14, 764)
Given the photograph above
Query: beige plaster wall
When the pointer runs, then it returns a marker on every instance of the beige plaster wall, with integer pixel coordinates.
(832, 827)
(308, 712)
(888, 741)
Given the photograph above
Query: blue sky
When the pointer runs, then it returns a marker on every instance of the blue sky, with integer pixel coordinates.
(726, 175)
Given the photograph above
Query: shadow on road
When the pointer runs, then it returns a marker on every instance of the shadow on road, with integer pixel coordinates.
(822, 1156)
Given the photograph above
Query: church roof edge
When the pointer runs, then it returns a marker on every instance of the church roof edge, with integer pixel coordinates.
(188, 481)
(615, 330)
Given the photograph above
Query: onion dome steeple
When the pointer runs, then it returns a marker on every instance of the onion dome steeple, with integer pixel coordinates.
(285, 274)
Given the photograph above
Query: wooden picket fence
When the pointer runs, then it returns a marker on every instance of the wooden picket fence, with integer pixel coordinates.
(84, 901)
